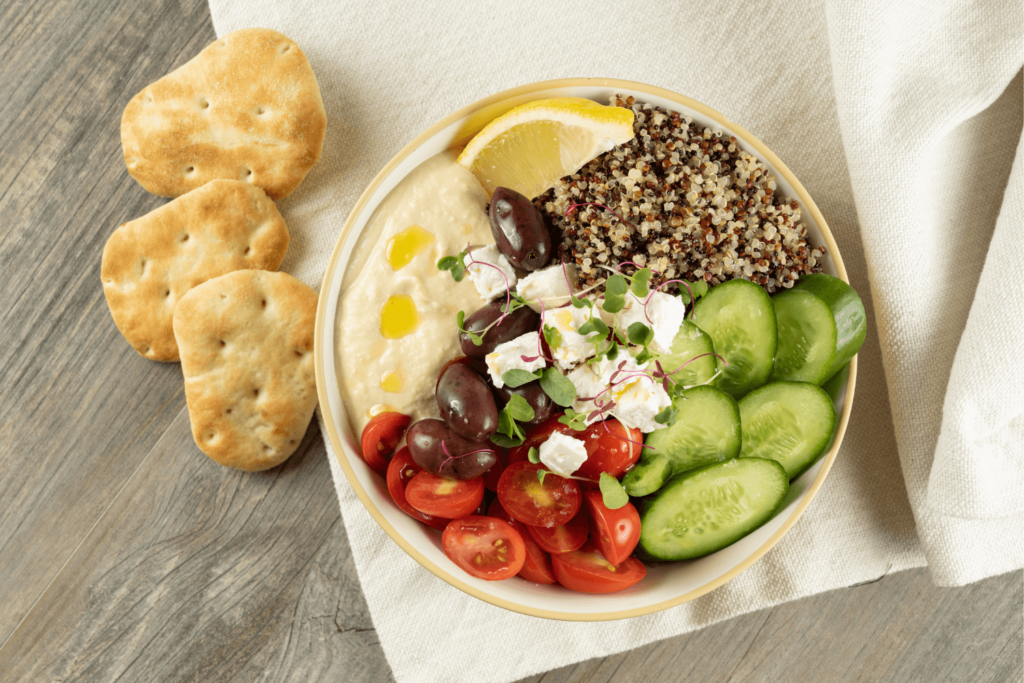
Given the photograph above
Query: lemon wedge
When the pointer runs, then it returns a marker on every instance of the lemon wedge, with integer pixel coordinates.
(530, 147)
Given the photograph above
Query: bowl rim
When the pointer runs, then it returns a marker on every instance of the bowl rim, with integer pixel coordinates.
(476, 108)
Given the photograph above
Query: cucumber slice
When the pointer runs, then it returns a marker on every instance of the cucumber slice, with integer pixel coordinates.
(706, 431)
(832, 387)
(690, 342)
(791, 422)
(709, 508)
(848, 311)
(807, 337)
(836, 383)
(740, 319)
(648, 475)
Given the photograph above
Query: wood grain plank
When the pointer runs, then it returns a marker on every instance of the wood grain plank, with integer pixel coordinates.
(189, 574)
(901, 628)
(79, 409)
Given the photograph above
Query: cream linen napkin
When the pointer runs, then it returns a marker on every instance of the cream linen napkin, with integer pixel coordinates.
(388, 70)
(920, 152)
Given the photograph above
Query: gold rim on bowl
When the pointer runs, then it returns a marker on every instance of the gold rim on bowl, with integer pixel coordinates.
(477, 115)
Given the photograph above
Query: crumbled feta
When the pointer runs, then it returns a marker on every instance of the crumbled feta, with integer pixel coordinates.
(638, 397)
(548, 285)
(664, 314)
(591, 381)
(574, 346)
(563, 454)
(489, 282)
(509, 356)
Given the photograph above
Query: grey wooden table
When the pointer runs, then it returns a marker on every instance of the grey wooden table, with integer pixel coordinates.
(126, 554)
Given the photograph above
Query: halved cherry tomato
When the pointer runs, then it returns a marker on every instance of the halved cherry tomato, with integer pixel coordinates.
(492, 475)
(565, 538)
(616, 532)
(486, 547)
(537, 567)
(551, 502)
(443, 497)
(611, 447)
(587, 571)
(380, 438)
(401, 470)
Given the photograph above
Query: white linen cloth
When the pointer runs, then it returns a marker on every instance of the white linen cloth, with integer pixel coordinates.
(930, 112)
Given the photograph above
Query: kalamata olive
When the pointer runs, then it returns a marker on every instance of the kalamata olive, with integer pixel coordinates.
(542, 405)
(477, 364)
(519, 230)
(466, 404)
(425, 439)
(516, 324)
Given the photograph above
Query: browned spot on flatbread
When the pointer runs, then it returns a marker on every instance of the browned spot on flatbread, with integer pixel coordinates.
(247, 107)
(151, 262)
(254, 393)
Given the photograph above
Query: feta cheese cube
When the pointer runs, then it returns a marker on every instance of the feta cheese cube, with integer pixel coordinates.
(664, 315)
(638, 397)
(509, 356)
(574, 346)
(592, 381)
(549, 285)
(489, 282)
(563, 454)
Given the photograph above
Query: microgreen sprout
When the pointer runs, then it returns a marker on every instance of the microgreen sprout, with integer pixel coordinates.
(444, 448)
(455, 264)
(540, 346)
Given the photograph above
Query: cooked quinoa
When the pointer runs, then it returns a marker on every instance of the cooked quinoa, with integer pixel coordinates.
(686, 202)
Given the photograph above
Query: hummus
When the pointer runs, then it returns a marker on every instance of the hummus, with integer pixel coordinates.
(396, 325)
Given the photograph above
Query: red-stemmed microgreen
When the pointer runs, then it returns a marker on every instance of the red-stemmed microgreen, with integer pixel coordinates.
(508, 286)
(444, 448)
(540, 336)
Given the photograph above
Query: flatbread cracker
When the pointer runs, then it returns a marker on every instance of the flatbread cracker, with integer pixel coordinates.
(247, 107)
(150, 263)
(246, 341)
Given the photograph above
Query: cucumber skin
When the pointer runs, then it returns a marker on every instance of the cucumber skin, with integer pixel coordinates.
(724, 383)
(648, 504)
(691, 335)
(832, 387)
(835, 383)
(827, 443)
(848, 310)
(782, 299)
(649, 475)
(679, 464)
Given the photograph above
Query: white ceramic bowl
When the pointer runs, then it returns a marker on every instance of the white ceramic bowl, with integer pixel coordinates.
(664, 586)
